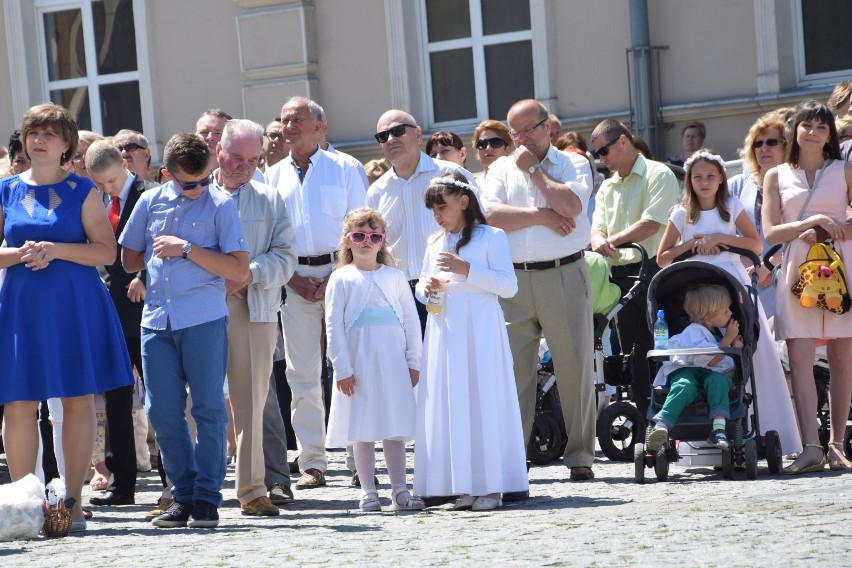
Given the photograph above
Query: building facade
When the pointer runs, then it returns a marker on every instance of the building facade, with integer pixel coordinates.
(155, 65)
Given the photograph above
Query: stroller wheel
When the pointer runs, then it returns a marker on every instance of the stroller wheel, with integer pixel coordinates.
(619, 428)
(750, 448)
(639, 462)
(546, 441)
(661, 465)
(773, 453)
(728, 463)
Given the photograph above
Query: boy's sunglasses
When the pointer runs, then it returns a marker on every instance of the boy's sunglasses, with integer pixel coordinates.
(359, 237)
(495, 143)
(771, 142)
(396, 131)
(192, 185)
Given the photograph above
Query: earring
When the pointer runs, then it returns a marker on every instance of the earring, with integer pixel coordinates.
(63, 156)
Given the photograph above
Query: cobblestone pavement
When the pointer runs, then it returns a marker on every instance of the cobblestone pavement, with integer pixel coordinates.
(695, 519)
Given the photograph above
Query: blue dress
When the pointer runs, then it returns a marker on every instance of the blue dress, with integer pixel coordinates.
(59, 333)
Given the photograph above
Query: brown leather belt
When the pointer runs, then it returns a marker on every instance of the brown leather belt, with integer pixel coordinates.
(320, 260)
(547, 264)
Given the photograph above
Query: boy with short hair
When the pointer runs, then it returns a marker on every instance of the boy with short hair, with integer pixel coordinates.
(191, 240)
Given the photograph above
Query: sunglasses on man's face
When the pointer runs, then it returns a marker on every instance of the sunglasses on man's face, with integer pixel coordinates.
(395, 131)
(193, 184)
(604, 150)
(771, 142)
(495, 143)
(358, 237)
(130, 147)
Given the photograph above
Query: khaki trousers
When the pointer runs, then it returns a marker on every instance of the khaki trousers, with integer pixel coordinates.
(250, 348)
(556, 303)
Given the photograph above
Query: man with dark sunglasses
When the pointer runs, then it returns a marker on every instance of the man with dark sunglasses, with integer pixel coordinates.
(632, 206)
(191, 240)
(135, 151)
(539, 195)
(319, 188)
(274, 147)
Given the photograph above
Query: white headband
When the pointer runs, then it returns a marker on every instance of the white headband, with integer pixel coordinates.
(447, 180)
(706, 156)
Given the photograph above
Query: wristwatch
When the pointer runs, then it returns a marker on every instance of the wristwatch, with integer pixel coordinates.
(534, 168)
(185, 250)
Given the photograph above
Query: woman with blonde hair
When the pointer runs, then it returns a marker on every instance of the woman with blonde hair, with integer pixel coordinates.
(490, 141)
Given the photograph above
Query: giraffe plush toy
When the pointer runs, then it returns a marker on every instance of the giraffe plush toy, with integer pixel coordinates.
(822, 281)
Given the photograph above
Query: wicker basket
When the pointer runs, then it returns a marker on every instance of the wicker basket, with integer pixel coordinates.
(57, 521)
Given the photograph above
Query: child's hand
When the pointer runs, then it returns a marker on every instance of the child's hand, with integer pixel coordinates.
(732, 330)
(708, 244)
(450, 262)
(347, 385)
(433, 285)
(166, 246)
(737, 342)
(415, 377)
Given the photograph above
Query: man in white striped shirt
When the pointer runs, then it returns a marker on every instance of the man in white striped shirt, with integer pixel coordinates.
(319, 189)
(398, 195)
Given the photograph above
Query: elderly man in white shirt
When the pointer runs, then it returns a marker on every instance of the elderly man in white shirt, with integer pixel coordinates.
(538, 195)
(319, 189)
(398, 194)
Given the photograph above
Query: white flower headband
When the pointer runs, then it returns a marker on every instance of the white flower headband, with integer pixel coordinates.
(706, 156)
(447, 180)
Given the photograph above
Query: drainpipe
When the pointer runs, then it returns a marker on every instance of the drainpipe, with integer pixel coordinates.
(640, 38)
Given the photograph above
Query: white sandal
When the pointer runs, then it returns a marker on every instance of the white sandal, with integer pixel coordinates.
(487, 502)
(369, 503)
(464, 503)
(410, 502)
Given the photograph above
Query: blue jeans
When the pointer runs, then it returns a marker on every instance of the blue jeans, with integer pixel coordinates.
(196, 356)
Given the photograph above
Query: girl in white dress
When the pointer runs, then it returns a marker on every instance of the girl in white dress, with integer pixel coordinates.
(469, 439)
(374, 344)
(707, 222)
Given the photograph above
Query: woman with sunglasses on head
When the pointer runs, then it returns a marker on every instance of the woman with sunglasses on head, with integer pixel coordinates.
(61, 335)
(490, 141)
(374, 344)
(764, 148)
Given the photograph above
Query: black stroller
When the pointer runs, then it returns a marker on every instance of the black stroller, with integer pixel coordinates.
(667, 292)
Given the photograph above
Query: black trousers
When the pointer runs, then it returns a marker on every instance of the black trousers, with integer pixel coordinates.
(633, 332)
(120, 444)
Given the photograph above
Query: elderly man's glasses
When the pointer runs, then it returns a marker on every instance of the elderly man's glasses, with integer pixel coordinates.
(395, 131)
(192, 185)
(518, 133)
(604, 150)
(359, 237)
(130, 147)
(771, 142)
(495, 143)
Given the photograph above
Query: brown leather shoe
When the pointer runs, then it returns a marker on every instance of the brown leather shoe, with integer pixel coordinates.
(260, 507)
(163, 503)
(582, 473)
(311, 478)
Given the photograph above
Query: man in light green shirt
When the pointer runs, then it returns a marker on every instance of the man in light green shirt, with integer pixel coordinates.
(631, 207)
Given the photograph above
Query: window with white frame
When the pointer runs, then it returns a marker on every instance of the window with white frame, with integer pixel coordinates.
(88, 53)
(479, 58)
(824, 41)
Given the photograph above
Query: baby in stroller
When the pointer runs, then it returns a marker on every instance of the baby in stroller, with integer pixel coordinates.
(712, 325)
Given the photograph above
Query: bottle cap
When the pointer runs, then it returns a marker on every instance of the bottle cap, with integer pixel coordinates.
(661, 314)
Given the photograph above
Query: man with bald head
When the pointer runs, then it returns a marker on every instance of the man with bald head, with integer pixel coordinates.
(539, 195)
(398, 194)
(319, 189)
(254, 303)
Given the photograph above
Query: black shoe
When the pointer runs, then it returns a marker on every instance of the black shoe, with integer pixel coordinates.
(112, 498)
(281, 494)
(294, 466)
(514, 496)
(719, 439)
(356, 481)
(437, 501)
(205, 515)
(176, 515)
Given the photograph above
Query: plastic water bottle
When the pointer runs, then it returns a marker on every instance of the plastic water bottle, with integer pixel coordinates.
(661, 331)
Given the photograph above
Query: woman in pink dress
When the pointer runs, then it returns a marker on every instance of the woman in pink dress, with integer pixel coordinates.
(814, 166)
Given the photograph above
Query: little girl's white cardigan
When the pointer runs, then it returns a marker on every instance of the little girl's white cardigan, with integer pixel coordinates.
(345, 298)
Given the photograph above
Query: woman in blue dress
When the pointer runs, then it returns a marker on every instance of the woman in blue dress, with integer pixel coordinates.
(59, 333)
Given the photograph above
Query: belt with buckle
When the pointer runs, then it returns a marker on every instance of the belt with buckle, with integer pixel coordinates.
(320, 260)
(545, 265)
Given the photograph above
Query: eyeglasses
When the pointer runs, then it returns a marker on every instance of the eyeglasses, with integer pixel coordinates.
(78, 157)
(518, 133)
(395, 131)
(359, 237)
(771, 143)
(193, 184)
(273, 135)
(604, 150)
(130, 147)
(495, 143)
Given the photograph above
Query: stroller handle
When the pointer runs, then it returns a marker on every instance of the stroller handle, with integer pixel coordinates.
(767, 258)
(643, 264)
